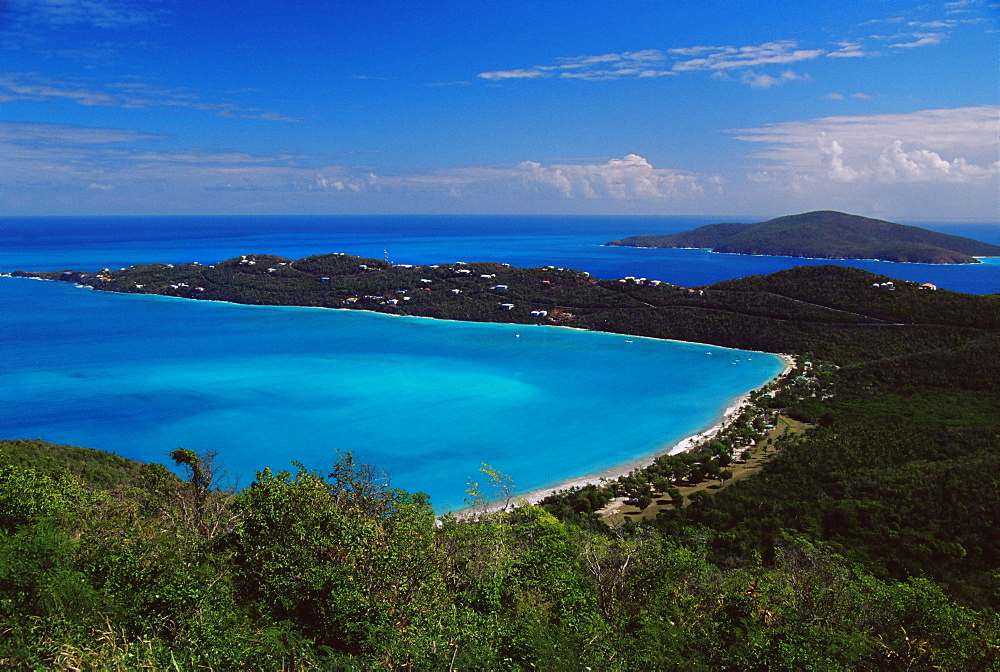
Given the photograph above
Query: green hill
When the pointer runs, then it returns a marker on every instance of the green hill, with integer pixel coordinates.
(826, 234)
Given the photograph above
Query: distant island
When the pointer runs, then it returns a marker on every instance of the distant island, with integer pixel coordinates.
(825, 234)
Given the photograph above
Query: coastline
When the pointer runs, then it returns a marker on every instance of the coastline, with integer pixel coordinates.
(397, 315)
(534, 496)
(612, 473)
(830, 259)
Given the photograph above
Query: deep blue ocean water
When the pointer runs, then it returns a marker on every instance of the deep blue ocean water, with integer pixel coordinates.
(427, 401)
(573, 242)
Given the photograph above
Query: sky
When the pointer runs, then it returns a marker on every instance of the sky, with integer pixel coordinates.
(883, 108)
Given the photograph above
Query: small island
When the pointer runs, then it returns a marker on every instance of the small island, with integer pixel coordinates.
(825, 234)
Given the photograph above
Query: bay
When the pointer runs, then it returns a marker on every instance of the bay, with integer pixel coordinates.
(428, 401)
(425, 400)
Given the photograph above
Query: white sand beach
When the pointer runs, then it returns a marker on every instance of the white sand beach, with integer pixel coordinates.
(727, 417)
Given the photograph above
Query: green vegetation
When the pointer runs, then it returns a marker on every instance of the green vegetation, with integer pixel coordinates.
(826, 234)
(833, 312)
(866, 542)
(308, 571)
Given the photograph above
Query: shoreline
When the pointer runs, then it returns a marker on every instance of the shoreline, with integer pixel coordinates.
(395, 315)
(685, 444)
(830, 259)
(534, 496)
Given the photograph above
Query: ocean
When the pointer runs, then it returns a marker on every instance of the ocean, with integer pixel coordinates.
(426, 401)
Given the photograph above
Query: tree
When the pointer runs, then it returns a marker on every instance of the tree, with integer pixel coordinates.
(199, 468)
(500, 489)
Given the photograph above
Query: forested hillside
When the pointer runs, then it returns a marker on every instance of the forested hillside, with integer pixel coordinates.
(836, 312)
(866, 542)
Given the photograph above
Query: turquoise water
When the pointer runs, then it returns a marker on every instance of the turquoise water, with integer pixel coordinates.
(427, 401)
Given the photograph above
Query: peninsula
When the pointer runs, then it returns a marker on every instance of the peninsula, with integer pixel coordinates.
(836, 312)
(825, 234)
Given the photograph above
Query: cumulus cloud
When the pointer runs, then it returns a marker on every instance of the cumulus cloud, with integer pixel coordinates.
(946, 146)
(631, 177)
(59, 161)
(895, 163)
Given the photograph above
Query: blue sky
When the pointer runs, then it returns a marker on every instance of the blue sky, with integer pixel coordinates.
(882, 108)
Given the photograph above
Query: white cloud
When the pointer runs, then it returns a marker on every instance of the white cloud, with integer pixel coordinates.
(920, 40)
(520, 73)
(946, 146)
(765, 81)
(18, 87)
(28, 134)
(923, 165)
(769, 53)
(631, 177)
(604, 66)
(848, 50)
(931, 24)
(126, 169)
(832, 160)
(839, 96)
(749, 59)
(653, 63)
(961, 6)
(108, 14)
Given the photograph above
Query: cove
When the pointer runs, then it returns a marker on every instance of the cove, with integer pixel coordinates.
(427, 401)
